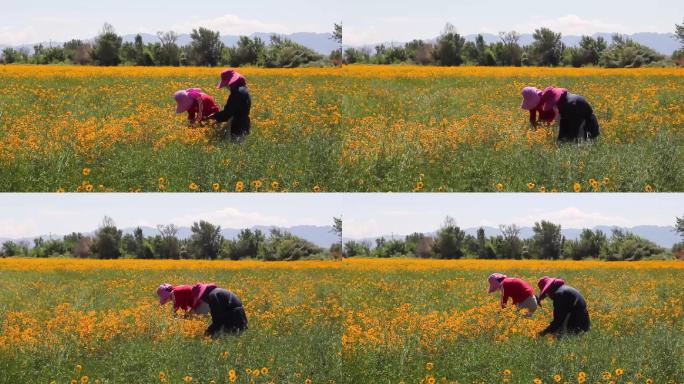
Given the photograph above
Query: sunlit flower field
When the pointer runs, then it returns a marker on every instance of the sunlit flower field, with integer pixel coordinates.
(351, 321)
(359, 128)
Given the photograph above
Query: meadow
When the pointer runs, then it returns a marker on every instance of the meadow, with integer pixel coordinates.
(354, 321)
(358, 128)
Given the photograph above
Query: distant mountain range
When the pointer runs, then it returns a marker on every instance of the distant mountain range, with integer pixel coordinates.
(319, 235)
(319, 42)
(665, 236)
(664, 43)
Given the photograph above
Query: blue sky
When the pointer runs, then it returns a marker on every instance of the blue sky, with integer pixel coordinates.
(365, 21)
(365, 215)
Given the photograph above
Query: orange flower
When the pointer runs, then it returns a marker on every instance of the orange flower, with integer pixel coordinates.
(239, 186)
(316, 188)
(193, 187)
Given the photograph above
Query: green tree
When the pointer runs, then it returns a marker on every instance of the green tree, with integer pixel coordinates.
(10, 248)
(624, 52)
(107, 46)
(679, 33)
(355, 248)
(206, 47)
(10, 55)
(546, 241)
(169, 245)
(679, 226)
(169, 54)
(246, 245)
(449, 47)
(337, 230)
(206, 240)
(247, 52)
(547, 47)
(511, 54)
(511, 246)
(107, 241)
(449, 243)
(337, 37)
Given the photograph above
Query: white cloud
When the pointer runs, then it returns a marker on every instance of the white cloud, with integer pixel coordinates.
(230, 217)
(571, 25)
(573, 218)
(15, 229)
(357, 229)
(16, 36)
(233, 25)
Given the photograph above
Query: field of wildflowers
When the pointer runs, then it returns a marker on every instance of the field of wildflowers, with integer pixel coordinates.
(351, 321)
(359, 128)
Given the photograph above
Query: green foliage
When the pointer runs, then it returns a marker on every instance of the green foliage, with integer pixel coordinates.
(356, 248)
(624, 52)
(206, 47)
(546, 241)
(107, 47)
(247, 52)
(107, 243)
(449, 242)
(547, 47)
(206, 240)
(284, 246)
(247, 245)
(449, 47)
(627, 246)
(285, 53)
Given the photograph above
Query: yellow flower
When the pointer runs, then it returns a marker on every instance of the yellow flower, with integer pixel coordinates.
(216, 187)
(649, 381)
(619, 372)
(506, 371)
(429, 366)
(98, 381)
(264, 371)
(606, 375)
(84, 380)
(162, 187)
(577, 187)
(256, 372)
(193, 187)
(430, 380)
(187, 378)
(162, 376)
(557, 378)
(582, 374)
(162, 180)
(648, 188)
(89, 187)
(542, 189)
(274, 185)
(537, 381)
(248, 370)
(530, 186)
(554, 190)
(316, 188)
(86, 171)
(239, 186)
(73, 381)
(499, 187)
(256, 184)
(60, 190)
(419, 185)
(307, 381)
(606, 180)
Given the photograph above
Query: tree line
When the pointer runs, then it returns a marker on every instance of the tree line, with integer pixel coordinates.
(450, 242)
(547, 49)
(206, 242)
(205, 49)
(547, 242)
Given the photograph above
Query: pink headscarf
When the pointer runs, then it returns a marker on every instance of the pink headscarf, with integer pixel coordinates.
(551, 96)
(164, 293)
(546, 284)
(185, 98)
(230, 78)
(495, 280)
(198, 290)
(531, 98)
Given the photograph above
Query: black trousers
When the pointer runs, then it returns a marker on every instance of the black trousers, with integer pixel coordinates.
(227, 312)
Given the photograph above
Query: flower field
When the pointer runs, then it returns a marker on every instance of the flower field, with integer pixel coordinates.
(359, 128)
(354, 321)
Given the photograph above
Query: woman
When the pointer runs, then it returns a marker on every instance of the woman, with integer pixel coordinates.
(532, 102)
(569, 308)
(196, 103)
(577, 119)
(238, 105)
(516, 289)
(181, 296)
(227, 312)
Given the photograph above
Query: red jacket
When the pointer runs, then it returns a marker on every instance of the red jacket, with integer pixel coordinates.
(544, 116)
(515, 288)
(182, 297)
(209, 106)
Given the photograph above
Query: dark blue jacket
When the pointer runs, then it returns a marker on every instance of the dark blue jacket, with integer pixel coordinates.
(568, 305)
(575, 110)
(237, 107)
(227, 312)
